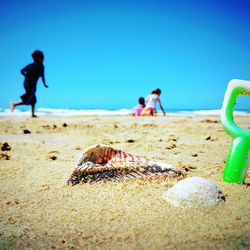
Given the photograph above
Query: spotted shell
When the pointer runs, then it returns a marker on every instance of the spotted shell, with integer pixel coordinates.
(104, 162)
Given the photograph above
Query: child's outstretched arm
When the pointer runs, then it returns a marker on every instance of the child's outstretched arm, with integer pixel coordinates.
(162, 109)
(44, 83)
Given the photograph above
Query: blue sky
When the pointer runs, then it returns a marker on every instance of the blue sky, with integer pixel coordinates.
(106, 54)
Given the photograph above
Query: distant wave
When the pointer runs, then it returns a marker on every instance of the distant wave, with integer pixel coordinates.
(207, 112)
(103, 112)
(66, 112)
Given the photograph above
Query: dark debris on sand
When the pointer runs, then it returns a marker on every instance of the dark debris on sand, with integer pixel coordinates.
(210, 121)
(26, 131)
(5, 146)
(130, 141)
(4, 156)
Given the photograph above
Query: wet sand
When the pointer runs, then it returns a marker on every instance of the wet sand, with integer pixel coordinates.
(40, 211)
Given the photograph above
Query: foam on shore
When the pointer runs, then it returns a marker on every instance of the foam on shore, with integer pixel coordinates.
(103, 112)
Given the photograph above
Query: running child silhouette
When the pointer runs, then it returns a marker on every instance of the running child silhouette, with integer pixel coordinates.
(31, 74)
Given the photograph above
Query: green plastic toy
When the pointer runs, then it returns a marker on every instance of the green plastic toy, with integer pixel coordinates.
(239, 154)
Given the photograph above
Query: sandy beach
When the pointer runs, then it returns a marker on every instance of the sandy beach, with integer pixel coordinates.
(40, 211)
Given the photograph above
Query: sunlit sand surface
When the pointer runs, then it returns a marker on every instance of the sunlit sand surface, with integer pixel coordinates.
(40, 211)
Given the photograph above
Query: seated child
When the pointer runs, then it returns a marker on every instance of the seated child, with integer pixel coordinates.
(138, 108)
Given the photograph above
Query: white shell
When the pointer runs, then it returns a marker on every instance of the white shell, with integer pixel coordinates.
(194, 192)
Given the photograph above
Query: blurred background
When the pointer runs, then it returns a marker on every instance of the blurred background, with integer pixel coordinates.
(106, 54)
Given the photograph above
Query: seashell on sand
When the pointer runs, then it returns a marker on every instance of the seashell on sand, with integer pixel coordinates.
(196, 192)
(102, 162)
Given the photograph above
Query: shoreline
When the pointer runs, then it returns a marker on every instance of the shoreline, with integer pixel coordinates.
(47, 112)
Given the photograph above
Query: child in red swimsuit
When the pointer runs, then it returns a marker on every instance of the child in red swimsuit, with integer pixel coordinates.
(151, 101)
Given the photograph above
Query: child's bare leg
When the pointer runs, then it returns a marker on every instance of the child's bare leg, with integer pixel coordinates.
(14, 104)
(145, 112)
(33, 110)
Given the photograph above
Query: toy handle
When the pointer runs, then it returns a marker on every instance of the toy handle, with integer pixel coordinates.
(238, 157)
(235, 88)
(237, 161)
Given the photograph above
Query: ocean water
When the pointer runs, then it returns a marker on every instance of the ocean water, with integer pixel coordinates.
(104, 112)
